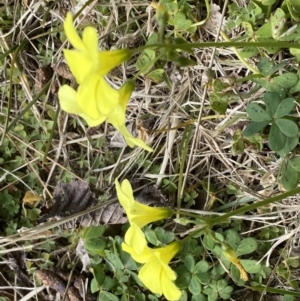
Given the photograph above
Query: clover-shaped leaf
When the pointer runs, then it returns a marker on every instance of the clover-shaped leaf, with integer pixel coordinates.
(295, 163)
(284, 107)
(278, 21)
(247, 246)
(189, 262)
(276, 138)
(201, 267)
(272, 101)
(286, 81)
(251, 266)
(290, 178)
(290, 144)
(288, 127)
(265, 66)
(255, 127)
(195, 286)
(257, 113)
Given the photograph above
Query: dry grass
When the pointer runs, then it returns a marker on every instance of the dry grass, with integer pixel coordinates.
(192, 143)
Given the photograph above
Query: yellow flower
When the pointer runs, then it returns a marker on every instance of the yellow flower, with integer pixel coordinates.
(139, 215)
(156, 274)
(86, 58)
(96, 101)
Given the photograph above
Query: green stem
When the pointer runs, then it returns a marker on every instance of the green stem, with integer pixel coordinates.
(191, 46)
(237, 53)
(223, 218)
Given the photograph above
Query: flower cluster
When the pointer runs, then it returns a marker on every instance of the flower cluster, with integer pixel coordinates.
(95, 100)
(155, 260)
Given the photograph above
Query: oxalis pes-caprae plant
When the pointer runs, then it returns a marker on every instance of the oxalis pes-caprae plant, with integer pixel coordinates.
(96, 101)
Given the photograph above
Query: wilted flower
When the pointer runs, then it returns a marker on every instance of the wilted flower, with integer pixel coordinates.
(138, 215)
(156, 274)
(231, 256)
(86, 58)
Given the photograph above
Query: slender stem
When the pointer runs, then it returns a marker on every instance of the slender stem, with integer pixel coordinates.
(220, 219)
(253, 69)
(191, 46)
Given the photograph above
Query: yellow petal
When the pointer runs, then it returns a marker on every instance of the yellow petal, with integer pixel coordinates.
(150, 275)
(90, 41)
(135, 238)
(143, 215)
(130, 140)
(113, 58)
(169, 251)
(107, 97)
(169, 289)
(125, 194)
(92, 122)
(143, 257)
(138, 213)
(125, 93)
(71, 33)
(80, 64)
(68, 100)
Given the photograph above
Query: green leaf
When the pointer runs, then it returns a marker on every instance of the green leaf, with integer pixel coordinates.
(291, 34)
(255, 127)
(204, 278)
(226, 292)
(248, 52)
(296, 88)
(212, 295)
(99, 275)
(94, 232)
(107, 296)
(217, 102)
(265, 66)
(184, 277)
(238, 146)
(199, 297)
(285, 107)
(189, 262)
(164, 236)
(248, 29)
(146, 60)
(295, 163)
(181, 22)
(247, 246)
(288, 127)
(151, 237)
(236, 275)
(156, 75)
(96, 245)
(272, 101)
(267, 2)
(208, 242)
(251, 266)
(278, 21)
(232, 238)
(296, 53)
(257, 113)
(195, 287)
(290, 144)
(294, 9)
(290, 178)
(286, 80)
(276, 138)
(201, 267)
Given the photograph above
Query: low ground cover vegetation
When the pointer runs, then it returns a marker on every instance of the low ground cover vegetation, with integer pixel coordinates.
(149, 151)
